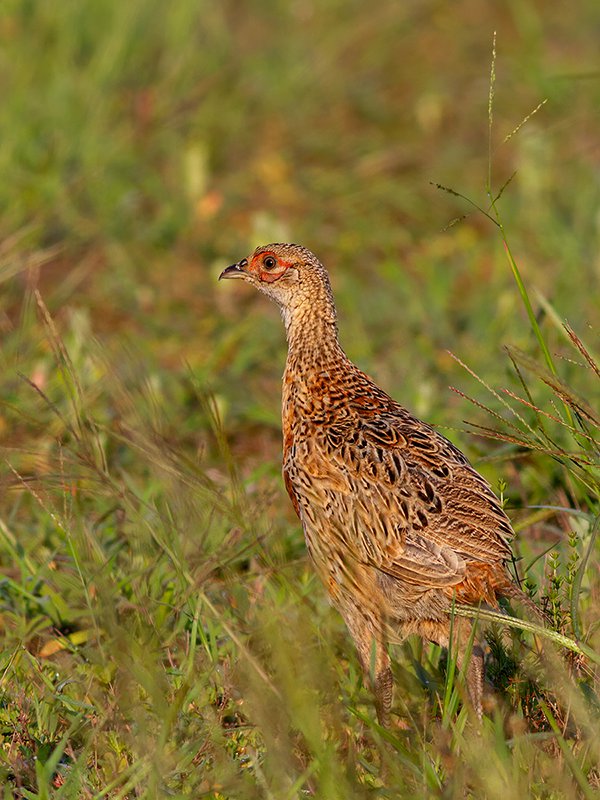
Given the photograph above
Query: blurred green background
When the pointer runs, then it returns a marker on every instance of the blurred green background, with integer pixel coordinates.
(143, 147)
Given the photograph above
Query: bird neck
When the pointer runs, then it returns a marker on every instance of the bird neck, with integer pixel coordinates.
(311, 330)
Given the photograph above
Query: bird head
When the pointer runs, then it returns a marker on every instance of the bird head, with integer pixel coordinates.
(287, 273)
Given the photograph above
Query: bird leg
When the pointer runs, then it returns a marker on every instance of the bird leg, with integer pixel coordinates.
(461, 641)
(474, 677)
(383, 689)
(375, 661)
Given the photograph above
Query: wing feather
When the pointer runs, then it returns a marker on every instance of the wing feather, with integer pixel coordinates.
(426, 509)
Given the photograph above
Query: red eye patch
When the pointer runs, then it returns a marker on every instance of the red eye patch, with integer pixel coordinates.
(271, 275)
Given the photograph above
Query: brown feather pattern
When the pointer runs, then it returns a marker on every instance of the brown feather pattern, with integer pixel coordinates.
(396, 520)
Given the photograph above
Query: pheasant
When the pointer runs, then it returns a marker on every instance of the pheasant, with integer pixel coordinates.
(397, 523)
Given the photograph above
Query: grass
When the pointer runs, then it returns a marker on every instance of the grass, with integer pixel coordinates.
(163, 634)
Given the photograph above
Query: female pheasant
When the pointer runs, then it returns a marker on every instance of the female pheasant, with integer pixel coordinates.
(396, 521)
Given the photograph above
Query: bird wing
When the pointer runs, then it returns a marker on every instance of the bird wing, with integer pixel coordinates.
(369, 526)
(407, 500)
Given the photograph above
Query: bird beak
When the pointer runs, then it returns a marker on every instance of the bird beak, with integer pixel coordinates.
(235, 270)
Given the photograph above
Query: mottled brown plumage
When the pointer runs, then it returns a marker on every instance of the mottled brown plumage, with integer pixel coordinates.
(396, 521)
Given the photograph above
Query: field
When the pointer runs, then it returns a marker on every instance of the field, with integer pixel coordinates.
(163, 634)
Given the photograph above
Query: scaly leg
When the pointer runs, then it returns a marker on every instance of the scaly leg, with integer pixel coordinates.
(383, 689)
(439, 632)
(375, 661)
(475, 677)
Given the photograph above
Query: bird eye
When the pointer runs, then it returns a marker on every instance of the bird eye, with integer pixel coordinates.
(269, 262)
